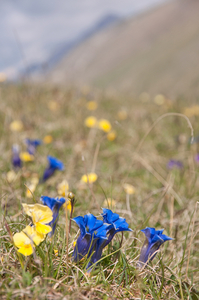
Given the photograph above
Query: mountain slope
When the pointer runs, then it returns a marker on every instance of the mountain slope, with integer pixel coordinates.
(155, 52)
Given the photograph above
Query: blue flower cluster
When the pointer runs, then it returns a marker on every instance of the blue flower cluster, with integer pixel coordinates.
(96, 234)
(53, 163)
(31, 149)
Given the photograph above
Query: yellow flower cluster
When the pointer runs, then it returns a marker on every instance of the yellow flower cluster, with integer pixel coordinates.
(36, 233)
(90, 177)
(102, 124)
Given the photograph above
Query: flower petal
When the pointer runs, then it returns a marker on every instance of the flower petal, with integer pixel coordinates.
(28, 208)
(55, 163)
(33, 235)
(26, 251)
(42, 213)
(80, 222)
(20, 238)
(109, 216)
(43, 229)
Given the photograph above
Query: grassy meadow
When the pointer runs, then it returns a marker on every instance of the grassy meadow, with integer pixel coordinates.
(148, 134)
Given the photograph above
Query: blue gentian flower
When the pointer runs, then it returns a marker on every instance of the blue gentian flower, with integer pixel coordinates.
(16, 161)
(54, 164)
(32, 145)
(154, 239)
(54, 204)
(119, 224)
(89, 233)
(172, 163)
(96, 234)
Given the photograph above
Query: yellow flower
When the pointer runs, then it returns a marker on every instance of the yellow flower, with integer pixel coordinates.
(16, 125)
(104, 125)
(91, 105)
(159, 99)
(67, 205)
(30, 190)
(129, 189)
(53, 105)
(109, 203)
(91, 177)
(55, 252)
(122, 114)
(111, 136)
(63, 188)
(47, 139)
(90, 122)
(35, 179)
(26, 239)
(32, 186)
(41, 215)
(25, 156)
(11, 176)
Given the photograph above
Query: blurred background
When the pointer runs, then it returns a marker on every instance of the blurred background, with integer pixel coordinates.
(145, 46)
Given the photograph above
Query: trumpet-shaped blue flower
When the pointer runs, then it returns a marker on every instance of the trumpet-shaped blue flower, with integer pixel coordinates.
(96, 234)
(54, 164)
(54, 204)
(154, 239)
(89, 234)
(119, 224)
(32, 145)
(16, 161)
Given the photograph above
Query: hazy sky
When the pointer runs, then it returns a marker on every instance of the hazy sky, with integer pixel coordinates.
(31, 30)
